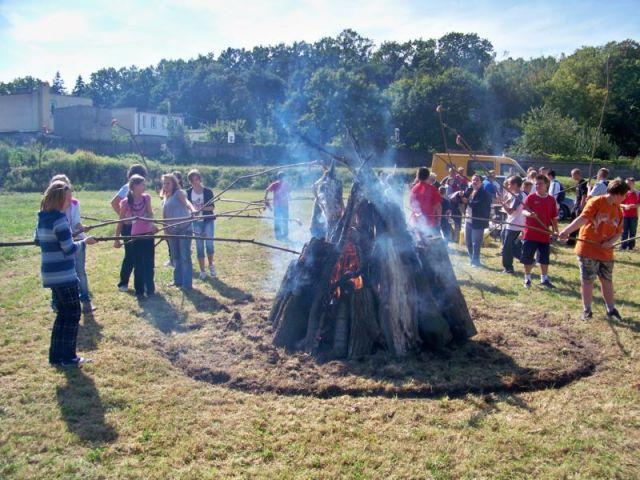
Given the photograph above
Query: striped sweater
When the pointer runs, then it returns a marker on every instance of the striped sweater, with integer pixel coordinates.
(58, 249)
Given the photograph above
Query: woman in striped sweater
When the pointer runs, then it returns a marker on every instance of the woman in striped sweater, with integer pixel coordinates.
(58, 249)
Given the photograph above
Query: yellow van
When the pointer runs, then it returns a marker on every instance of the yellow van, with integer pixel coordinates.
(481, 164)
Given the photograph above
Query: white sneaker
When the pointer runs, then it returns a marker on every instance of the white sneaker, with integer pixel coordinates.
(167, 263)
(212, 270)
(123, 288)
(202, 275)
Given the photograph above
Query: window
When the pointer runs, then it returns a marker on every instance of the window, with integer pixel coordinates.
(153, 121)
(144, 121)
(479, 166)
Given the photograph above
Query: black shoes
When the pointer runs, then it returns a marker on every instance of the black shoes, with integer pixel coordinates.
(586, 314)
(74, 362)
(547, 283)
(613, 313)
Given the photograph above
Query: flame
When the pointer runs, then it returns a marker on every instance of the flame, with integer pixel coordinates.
(358, 282)
(348, 264)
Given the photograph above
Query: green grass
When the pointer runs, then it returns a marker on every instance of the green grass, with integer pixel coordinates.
(132, 414)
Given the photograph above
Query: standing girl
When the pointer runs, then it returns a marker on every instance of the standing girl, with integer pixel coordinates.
(138, 204)
(59, 273)
(176, 205)
(199, 196)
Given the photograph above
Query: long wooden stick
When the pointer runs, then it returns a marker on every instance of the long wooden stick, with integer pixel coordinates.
(596, 136)
(627, 240)
(165, 237)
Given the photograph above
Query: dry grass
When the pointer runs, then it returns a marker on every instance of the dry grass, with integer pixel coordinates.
(135, 414)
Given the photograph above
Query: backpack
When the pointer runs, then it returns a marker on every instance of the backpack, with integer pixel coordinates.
(562, 195)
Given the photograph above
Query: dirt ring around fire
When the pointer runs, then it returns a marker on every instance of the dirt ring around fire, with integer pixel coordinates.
(514, 354)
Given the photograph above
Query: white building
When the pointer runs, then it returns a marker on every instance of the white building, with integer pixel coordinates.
(146, 123)
(33, 112)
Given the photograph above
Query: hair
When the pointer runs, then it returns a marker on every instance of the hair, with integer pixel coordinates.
(543, 177)
(175, 185)
(422, 174)
(542, 168)
(617, 187)
(531, 169)
(178, 176)
(54, 196)
(134, 180)
(552, 173)
(515, 179)
(442, 190)
(476, 175)
(527, 183)
(61, 177)
(576, 171)
(630, 179)
(604, 172)
(194, 173)
(137, 169)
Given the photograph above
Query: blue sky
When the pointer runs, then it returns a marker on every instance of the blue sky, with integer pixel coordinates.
(80, 36)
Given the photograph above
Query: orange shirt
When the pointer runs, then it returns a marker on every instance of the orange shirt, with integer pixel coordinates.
(605, 222)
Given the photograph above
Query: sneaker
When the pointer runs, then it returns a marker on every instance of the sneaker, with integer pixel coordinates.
(87, 307)
(547, 283)
(212, 271)
(586, 315)
(167, 263)
(123, 288)
(202, 275)
(613, 313)
(527, 284)
(74, 362)
(510, 271)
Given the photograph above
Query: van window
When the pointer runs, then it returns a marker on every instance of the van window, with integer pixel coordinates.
(478, 166)
(507, 169)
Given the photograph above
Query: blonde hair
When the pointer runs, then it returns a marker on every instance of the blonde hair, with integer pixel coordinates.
(192, 173)
(61, 177)
(54, 196)
(174, 182)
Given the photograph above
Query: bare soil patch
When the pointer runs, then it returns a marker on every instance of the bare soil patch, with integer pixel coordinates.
(512, 352)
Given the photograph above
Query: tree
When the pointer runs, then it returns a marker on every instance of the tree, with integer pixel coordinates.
(465, 50)
(57, 86)
(20, 85)
(80, 88)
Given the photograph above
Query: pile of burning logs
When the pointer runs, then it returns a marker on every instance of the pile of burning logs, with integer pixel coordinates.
(369, 285)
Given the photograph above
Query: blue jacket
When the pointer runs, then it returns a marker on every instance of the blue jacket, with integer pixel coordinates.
(58, 249)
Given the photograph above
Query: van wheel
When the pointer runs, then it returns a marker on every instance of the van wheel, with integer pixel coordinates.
(564, 213)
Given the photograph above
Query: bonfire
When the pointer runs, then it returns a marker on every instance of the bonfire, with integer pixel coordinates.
(369, 283)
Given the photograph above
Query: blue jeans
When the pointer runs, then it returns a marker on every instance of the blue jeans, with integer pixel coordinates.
(281, 221)
(81, 255)
(180, 249)
(630, 226)
(473, 238)
(203, 229)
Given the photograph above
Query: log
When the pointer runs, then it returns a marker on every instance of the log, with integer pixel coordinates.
(364, 332)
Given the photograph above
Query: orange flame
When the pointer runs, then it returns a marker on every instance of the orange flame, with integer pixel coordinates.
(348, 263)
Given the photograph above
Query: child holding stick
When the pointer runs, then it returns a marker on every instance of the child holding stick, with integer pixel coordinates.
(138, 204)
(600, 223)
(58, 271)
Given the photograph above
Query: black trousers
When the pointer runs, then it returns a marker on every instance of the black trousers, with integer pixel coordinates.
(509, 238)
(65, 328)
(143, 252)
(629, 229)
(127, 261)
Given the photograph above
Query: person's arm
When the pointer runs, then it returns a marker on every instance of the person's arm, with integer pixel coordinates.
(122, 214)
(182, 198)
(115, 203)
(62, 232)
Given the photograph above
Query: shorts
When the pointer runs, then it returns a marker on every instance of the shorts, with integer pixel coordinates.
(591, 268)
(529, 249)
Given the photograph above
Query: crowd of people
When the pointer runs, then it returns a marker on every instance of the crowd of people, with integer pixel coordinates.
(603, 214)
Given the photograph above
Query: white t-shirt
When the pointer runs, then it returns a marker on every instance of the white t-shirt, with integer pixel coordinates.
(600, 188)
(197, 199)
(517, 217)
(555, 188)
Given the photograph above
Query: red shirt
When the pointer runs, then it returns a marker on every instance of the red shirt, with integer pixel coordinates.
(632, 198)
(280, 193)
(547, 209)
(423, 201)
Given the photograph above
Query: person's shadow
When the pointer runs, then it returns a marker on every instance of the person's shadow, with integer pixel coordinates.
(227, 291)
(162, 314)
(89, 334)
(82, 408)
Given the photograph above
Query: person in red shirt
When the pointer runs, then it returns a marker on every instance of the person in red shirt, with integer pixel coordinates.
(600, 225)
(541, 212)
(425, 203)
(630, 215)
(281, 191)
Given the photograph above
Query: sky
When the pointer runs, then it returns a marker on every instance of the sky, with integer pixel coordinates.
(77, 37)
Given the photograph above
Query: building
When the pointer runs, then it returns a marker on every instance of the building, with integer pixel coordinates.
(35, 111)
(93, 123)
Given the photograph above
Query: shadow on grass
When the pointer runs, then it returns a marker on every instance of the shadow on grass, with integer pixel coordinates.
(82, 409)
(484, 287)
(228, 291)
(203, 302)
(90, 333)
(162, 314)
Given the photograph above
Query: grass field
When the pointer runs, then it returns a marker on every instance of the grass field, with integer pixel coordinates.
(134, 413)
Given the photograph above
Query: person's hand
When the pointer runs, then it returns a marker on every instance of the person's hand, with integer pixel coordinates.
(90, 240)
(563, 235)
(117, 244)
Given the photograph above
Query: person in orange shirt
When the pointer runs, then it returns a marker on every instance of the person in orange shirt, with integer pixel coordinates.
(600, 225)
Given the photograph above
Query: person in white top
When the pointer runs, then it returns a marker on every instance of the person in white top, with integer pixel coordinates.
(600, 188)
(555, 187)
(514, 208)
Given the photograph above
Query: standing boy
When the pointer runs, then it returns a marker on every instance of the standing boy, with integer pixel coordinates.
(541, 212)
(600, 225)
(515, 220)
(280, 190)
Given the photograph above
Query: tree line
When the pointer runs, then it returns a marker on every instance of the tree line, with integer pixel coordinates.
(346, 86)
